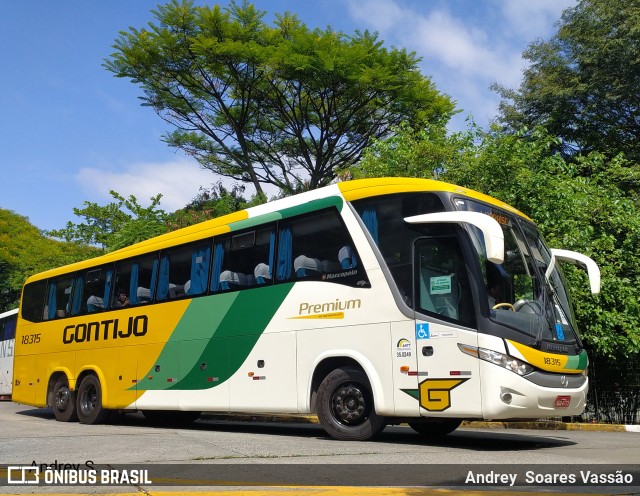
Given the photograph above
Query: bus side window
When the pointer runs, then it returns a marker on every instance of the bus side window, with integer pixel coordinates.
(92, 291)
(58, 298)
(314, 246)
(10, 328)
(33, 301)
(136, 278)
(184, 271)
(244, 260)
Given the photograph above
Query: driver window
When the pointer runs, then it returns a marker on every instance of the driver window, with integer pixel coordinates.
(442, 283)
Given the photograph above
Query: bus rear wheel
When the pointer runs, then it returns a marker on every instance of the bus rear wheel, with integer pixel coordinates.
(89, 406)
(435, 428)
(64, 401)
(345, 406)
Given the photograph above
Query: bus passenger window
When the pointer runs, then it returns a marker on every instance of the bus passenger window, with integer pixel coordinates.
(137, 279)
(91, 290)
(58, 297)
(318, 247)
(243, 260)
(33, 301)
(184, 271)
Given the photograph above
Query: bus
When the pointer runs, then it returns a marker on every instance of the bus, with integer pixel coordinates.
(7, 338)
(367, 302)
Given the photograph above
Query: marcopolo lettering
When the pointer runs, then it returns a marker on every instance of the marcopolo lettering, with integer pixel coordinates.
(105, 330)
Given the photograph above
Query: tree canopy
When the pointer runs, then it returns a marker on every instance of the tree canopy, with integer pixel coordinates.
(284, 104)
(24, 251)
(583, 84)
(115, 225)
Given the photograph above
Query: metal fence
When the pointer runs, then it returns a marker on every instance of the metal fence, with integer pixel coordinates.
(614, 391)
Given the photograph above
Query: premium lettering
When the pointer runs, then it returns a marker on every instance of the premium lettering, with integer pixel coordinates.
(105, 330)
(333, 306)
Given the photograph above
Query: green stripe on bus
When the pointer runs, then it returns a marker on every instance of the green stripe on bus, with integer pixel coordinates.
(312, 206)
(215, 336)
(578, 362)
(235, 337)
(255, 221)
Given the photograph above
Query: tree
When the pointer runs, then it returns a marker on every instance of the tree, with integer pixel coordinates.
(115, 225)
(578, 204)
(424, 153)
(284, 104)
(24, 251)
(583, 84)
(211, 203)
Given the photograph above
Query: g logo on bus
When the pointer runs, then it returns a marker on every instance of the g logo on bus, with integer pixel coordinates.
(435, 394)
(564, 381)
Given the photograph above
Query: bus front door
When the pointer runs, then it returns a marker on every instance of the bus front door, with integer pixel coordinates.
(449, 380)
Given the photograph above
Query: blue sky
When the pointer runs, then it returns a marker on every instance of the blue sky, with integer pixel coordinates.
(70, 131)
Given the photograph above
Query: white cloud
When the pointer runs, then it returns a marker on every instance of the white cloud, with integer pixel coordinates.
(378, 15)
(179, 182)
(464, 51)
(532, 20)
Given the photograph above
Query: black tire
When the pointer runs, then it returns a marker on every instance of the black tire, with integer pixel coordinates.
(89, 403)
(169, 417)
(435, 428)
(345, 407)
(64, 401)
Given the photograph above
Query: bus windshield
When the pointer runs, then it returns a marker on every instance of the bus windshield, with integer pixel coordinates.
(518, 294)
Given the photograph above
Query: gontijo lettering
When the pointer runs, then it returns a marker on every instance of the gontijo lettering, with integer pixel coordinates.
(105, 329)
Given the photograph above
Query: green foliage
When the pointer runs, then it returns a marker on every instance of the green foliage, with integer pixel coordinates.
(588, 205)
(115, 225)
(424, 153)
(583, 84)
(283, 104)
(211, 203)
(24, 251)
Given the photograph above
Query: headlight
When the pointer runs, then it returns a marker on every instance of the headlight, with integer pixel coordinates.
(497, 358)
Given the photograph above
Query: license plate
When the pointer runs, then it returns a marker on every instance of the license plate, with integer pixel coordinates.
(562, 401)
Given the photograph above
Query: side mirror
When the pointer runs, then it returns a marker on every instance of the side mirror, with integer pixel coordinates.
(491, 230)
(582, 261)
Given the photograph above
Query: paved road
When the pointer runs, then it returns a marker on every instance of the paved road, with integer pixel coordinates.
(30, 435)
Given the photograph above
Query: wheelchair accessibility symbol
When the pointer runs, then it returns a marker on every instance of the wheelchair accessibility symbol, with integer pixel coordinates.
(422, 330)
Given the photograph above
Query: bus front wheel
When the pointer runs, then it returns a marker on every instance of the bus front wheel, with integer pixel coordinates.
(89, 406)
(345, 406)
(64, 401)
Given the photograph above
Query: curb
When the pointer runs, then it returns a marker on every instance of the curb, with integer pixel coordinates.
(551, 426)
(468, 424)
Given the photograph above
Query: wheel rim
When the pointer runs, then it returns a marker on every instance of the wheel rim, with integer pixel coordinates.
(62, 398)
(89, 399)
(349, 404)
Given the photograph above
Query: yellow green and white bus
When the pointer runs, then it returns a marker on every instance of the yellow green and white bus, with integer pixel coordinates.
(368, 302)
(7, 338)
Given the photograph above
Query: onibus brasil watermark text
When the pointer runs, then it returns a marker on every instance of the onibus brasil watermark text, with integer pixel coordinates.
(68, 474)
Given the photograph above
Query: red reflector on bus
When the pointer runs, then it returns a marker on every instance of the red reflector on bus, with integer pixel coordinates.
(412, 372)
(454, 372)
